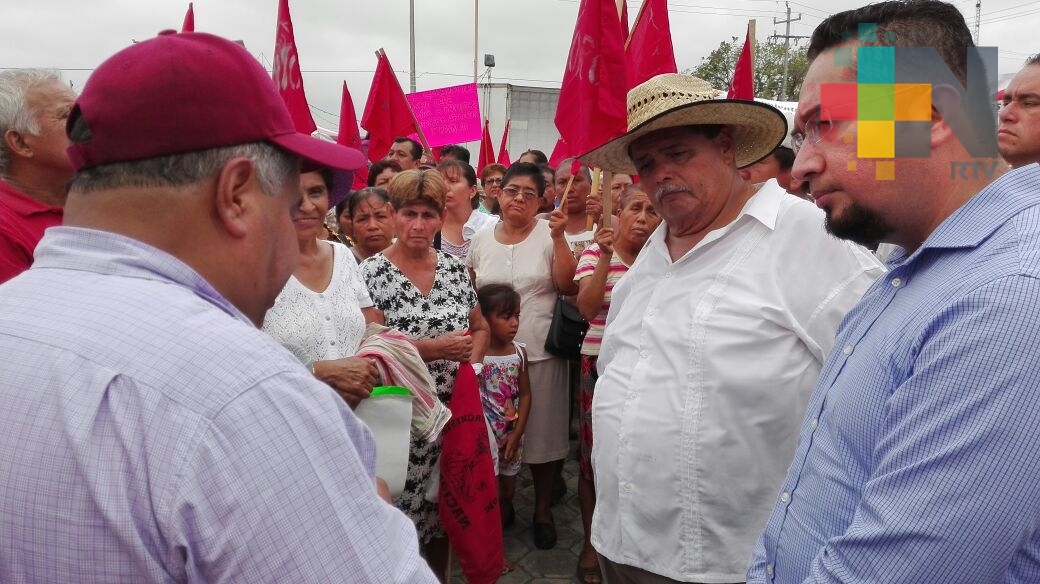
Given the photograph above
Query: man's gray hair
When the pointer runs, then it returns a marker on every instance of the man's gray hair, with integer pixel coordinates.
(1034, 60)
(15, 113)
(274, 167)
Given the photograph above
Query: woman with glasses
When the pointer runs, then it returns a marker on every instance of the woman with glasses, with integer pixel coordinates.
(524, 252)
(491, 181)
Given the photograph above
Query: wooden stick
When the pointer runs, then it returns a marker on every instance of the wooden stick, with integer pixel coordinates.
(608, 199)
(566, 191)
(590, 221)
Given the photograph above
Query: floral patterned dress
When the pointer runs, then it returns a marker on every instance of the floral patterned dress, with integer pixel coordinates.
(445, 310)
(500, 396)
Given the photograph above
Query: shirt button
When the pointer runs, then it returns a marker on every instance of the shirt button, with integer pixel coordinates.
(644, 355)
(847, 350)
(328, 318)
(668, 275)
(769, 569)
(785, 497)
(651, 312)
(896, 282)
(814, 422)
(332, 343)
(628, 487)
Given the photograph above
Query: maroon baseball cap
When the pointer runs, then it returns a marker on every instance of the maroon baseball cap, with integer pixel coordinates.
(182, 92)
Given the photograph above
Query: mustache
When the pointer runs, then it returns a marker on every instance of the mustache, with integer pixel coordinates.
(670, 188)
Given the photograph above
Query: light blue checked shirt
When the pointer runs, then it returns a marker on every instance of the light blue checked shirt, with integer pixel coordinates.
(919, 457)
(150, 433)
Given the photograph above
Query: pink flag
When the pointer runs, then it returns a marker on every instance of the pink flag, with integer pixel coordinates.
(649, 50)
(350, 136)
(503, 154)
(591, 108)
(743, 84)
(287, 72)
(189, 19)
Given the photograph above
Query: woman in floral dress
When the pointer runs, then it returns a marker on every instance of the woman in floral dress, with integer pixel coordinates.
(427, 295)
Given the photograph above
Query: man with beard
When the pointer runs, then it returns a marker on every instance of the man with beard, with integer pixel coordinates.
(917, 459)
(713, 341)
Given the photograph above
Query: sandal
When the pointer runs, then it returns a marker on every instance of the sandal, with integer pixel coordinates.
(544, 536)
(589, 575)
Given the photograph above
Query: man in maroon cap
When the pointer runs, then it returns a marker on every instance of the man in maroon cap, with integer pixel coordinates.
(34, 170)
(150, 432)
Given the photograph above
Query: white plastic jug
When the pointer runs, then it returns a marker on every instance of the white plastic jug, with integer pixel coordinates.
(388, 414)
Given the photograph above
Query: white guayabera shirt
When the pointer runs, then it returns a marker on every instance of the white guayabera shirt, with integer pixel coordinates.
(706, 368)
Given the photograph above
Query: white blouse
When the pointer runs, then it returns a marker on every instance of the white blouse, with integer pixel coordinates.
(318, 326)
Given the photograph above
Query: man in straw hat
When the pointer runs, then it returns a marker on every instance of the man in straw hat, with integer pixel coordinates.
(150, 432)
(918, 457)
(713, 341)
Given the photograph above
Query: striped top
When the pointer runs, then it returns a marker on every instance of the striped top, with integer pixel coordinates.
(586, 266)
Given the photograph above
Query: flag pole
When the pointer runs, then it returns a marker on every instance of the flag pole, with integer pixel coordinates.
(635, 22)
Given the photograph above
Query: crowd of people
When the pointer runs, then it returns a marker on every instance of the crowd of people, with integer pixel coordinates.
(801, 365)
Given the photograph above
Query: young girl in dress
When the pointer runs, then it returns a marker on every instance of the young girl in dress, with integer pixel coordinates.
(505, 391)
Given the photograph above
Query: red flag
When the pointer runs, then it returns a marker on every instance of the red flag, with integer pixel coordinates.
(560, 153)
(591, 107)
(743, 84)
(487, 149)
(287, 72)
(649, 50)
(503, 154)
(349, 135)
(387, 113)
(189, 19)
(469, 508)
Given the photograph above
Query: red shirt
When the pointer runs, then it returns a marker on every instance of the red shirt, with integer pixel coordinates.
(22, 222)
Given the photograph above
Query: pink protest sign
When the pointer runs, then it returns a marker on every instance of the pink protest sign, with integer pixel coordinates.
(448, 116)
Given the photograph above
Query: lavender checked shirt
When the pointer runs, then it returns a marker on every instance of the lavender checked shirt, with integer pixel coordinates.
(150, 433)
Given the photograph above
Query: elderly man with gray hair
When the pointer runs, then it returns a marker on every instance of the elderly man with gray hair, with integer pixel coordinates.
(150, 432)
(34, 104)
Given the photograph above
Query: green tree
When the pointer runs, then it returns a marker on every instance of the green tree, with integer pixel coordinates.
(717, 68)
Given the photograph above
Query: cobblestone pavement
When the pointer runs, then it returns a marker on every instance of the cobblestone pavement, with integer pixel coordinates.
(532, 565)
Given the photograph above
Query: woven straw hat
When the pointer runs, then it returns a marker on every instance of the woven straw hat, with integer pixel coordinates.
(672, 100)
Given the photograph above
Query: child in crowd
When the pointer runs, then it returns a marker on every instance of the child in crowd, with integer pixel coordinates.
(505, 390)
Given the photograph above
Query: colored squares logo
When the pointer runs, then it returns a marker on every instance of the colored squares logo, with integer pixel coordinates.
(892, 119)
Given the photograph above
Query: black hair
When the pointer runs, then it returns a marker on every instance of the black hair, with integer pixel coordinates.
(526, 169)
(377, 169)
(361, 195)
(416, 147)
(465, 171)
(459, 152)
(539, 156)
(498, 300)
(784, 157)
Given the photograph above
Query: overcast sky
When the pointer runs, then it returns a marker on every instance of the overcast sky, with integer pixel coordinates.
(337, 38)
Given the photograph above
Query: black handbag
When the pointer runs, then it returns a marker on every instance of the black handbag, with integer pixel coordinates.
(566, 332)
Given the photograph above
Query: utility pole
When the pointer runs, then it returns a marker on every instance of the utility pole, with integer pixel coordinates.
(411, 38)
(978, 17)
(476, 21)
(787, 43)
